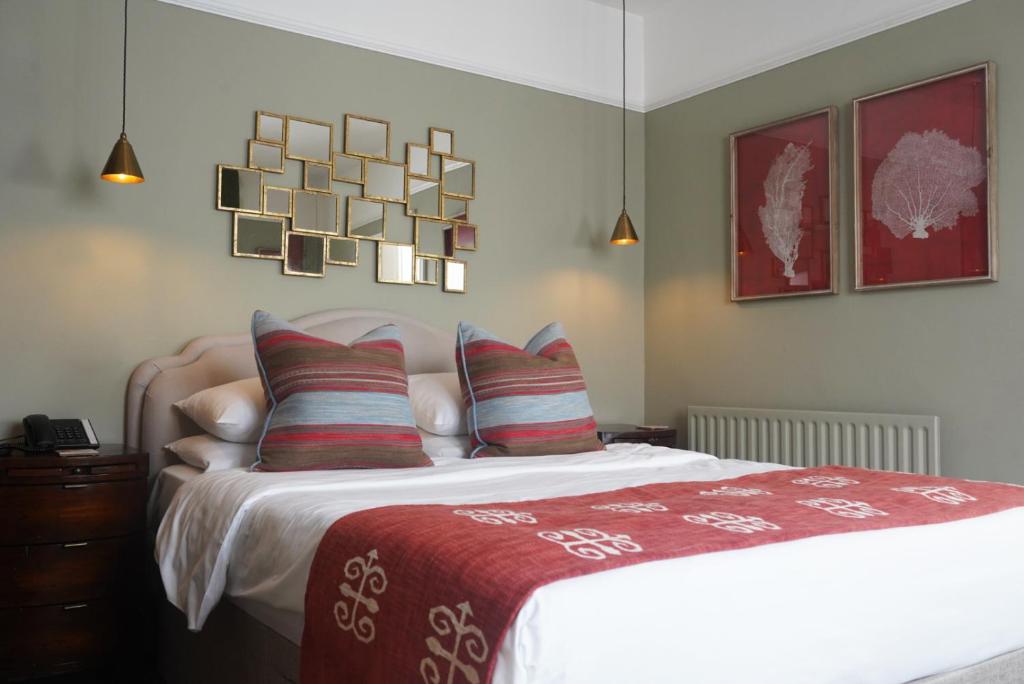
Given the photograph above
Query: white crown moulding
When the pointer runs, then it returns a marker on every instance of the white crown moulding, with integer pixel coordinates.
(597, 79)
(703, 85)
(580, 85)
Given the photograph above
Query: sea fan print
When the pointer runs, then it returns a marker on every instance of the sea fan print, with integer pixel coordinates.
(784, 195)
(926, 181)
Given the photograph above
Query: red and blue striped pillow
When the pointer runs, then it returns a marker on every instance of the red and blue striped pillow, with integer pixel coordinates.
(334, 405)
(524, 402)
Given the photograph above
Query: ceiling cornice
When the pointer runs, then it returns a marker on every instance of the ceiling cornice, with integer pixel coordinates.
(849, 36)
(278, 21)
(605, 95)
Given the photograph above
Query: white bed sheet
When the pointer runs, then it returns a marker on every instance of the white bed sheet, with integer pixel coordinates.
(872, 607)
(168, 482)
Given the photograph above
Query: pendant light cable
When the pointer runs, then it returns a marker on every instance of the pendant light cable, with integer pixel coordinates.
(623, 104)
(124, 69)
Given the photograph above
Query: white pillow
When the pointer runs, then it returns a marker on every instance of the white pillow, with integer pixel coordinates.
(442, 449)
(437, 403)
(209, 453)
(235, 411)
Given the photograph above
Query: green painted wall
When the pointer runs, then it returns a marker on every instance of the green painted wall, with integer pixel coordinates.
(956, 352)
(96, 277)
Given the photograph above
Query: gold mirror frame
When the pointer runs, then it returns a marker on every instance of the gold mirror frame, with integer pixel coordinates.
(328, 169)
(444, 178)
(381, 247)
(409, 147)
(267, 190)
(455, 241)
(290, 236)
(450, 264)
(416, 270)
(454, 216)
(259, 127)
(347, 179)
(409, 211)
(316, 195)
(262, 219)
(287, 137)
(341, 262)
(384, 218)
(417, 229)
(366, 181)
(387, 144)
(451, 139)
(253, 144)
(220, 180)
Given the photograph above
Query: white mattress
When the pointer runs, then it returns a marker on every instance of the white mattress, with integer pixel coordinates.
(871, 607)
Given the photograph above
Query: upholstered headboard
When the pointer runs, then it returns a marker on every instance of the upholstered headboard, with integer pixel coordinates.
(151, 421)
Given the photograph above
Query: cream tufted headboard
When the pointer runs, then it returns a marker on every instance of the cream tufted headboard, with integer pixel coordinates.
(151, 421)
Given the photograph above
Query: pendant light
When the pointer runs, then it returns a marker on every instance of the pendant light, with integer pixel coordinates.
(624, 233)
(122, 166)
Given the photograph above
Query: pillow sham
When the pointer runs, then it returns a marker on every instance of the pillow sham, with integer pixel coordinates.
(437, 403)
(524, 402)
(210, 454)
(444, 449)
(334, 405)
(235, 411)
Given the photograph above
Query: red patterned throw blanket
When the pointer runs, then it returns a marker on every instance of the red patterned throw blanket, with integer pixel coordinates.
(427, 592)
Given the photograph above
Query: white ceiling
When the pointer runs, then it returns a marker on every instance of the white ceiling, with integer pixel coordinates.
(676, 48)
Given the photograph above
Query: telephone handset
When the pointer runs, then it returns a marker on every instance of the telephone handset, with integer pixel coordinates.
(43, 434)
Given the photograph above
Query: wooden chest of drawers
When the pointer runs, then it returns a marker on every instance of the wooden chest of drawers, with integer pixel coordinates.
(615, 433)
(71, 559)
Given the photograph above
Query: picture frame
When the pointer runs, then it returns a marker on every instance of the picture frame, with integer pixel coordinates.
(784, 208)
(925, 190)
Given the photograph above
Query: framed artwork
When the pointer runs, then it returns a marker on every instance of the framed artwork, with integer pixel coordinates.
(925, 182)
(784, 208)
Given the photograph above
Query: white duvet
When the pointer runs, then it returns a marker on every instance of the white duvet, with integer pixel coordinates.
(871, 607)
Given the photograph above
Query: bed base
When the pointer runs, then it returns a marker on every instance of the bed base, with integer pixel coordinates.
(236, 648)
(232, 648)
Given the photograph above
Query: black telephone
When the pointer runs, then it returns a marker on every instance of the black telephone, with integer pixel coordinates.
(43, 434)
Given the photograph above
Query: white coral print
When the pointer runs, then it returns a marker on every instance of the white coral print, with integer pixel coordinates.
(784, 196)
(924, 182)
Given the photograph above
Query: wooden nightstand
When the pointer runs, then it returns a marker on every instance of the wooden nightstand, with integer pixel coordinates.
(610, 434)
(72, 560)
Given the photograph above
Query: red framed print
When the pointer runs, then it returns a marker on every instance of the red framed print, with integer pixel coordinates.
(784, 214)
(925, 183)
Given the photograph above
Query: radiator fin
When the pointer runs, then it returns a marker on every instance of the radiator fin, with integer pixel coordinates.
(817, 438)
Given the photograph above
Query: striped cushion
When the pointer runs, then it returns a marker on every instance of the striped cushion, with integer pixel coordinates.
(524, 402)
(332, 405)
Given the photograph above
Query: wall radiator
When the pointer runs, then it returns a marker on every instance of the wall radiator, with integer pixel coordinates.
(816, 438)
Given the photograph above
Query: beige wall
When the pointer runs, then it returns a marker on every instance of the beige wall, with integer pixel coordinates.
(956, 352)
(96, 277)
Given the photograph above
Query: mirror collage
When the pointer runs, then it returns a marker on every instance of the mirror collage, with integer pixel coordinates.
(318, 224)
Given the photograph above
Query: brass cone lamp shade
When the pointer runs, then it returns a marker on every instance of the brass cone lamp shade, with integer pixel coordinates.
(624, 233)
(122, 166)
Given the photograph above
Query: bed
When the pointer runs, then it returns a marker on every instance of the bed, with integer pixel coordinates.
(938, 603)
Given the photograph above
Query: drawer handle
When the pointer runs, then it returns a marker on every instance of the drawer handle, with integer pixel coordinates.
(75, 486)
(76, 606)
(75, 545)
